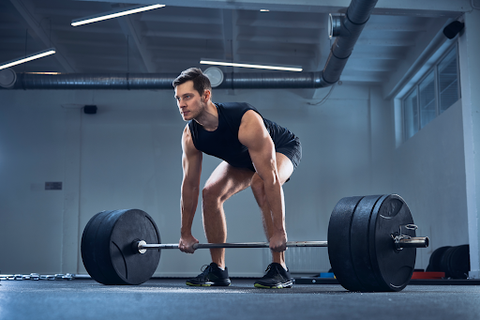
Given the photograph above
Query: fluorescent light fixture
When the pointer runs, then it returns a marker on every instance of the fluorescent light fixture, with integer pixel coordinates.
(249, 65)
(45, 72)
(114, 14)
(264, 10)
(31, 57)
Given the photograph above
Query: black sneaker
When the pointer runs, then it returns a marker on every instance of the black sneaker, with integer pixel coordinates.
(275, 277)
(212, 275)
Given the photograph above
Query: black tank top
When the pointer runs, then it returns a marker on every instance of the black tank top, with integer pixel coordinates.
(223, 142)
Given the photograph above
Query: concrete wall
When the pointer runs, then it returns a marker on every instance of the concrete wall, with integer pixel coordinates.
(128, 155)
(429, 173)
(469, 44)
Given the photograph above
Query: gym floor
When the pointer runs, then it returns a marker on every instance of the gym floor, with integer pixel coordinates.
(172, 299)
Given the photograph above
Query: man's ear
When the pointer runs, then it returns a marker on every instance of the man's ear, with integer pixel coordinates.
(207, 94)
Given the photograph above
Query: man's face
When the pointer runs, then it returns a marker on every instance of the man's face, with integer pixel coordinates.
(189, 101)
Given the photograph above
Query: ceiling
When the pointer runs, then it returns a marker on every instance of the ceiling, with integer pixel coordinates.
(176, 37)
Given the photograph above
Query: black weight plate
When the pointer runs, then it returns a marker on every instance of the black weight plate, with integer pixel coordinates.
(434, 263)
(89, 246)
(132, 267)
(445, 262)
(339, 251)
(360, 240)
(107, 247)
(456, 262)
(460, 262)
(393, 268)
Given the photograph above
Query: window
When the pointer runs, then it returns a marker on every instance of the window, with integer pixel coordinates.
(432, 94)
(411, 114)
(428, 108)
(448, 80)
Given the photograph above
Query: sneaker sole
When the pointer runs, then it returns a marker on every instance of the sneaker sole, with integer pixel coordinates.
(198, 284)
(207, 284)
(287, 284)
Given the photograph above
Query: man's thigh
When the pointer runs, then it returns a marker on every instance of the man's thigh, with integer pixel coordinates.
(284, 167)
(284, 170)
(226, 180)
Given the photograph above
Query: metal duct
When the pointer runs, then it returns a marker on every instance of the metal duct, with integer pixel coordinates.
(356, 16)
(156, 81)
(271, 80)
(116, 81)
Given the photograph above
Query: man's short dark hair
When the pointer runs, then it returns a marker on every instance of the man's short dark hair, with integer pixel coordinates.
(200, 81)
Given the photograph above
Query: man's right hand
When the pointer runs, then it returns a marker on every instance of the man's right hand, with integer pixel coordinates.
(186, 244)
(278, 242)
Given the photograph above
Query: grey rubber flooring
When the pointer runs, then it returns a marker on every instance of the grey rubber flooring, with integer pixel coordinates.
(172, 299)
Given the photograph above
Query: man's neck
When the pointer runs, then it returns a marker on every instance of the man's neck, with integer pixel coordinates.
(209, 117)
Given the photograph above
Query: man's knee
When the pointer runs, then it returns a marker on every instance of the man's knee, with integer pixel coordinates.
(211, 196)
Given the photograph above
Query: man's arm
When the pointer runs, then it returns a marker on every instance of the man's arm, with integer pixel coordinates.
(255, 137)
(192, 169)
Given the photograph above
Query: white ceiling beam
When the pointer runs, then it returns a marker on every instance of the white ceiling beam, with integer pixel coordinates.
(176, 16)
(129, 28)
(386, 42)
(193, 34)
(371, 27)
(228, 34)
(426, 45)
(307, 23)
(25, 8)
(367, 66)
(280, 39)
(393, 7)
(365, 77)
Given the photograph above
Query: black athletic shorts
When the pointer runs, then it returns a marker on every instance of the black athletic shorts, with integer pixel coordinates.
(293, 151)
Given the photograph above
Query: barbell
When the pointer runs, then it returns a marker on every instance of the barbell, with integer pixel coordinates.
(371, 244)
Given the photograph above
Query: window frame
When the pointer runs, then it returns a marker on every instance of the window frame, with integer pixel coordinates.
(416, 87)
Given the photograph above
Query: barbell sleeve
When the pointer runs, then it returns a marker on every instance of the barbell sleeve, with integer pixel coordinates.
(412, 242)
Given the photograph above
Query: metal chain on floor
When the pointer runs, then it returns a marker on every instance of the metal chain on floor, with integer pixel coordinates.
(37, 277)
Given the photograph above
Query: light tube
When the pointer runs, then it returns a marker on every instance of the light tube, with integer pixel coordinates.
(249, 65)
(115, 14)
(31, 57)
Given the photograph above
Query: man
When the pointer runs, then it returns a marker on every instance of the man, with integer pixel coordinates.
(257, 153)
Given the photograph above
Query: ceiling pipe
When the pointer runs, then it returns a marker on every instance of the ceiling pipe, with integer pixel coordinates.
(156, 81)
(102, 81)
(356, 17)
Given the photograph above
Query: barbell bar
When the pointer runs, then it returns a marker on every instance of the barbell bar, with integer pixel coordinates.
(371, 244)
(399, 242)
(142, 246)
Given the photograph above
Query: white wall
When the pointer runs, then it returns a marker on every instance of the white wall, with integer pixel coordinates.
(31, 152)
(128, 155)
(429, 173)
(438, 169)
(469, 45)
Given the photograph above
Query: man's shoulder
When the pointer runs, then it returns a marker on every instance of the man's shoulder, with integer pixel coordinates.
(235, 105)
(235, 109)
